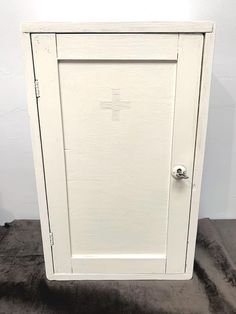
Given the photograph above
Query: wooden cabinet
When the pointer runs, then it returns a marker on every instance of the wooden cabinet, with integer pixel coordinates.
(118, 115)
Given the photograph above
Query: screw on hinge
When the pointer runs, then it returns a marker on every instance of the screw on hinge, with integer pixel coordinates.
(36, 83)
(51, 239)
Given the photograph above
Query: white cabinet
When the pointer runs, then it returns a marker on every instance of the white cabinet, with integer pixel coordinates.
(118, 115)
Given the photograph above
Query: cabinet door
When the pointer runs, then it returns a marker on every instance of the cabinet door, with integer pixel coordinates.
(117, 112)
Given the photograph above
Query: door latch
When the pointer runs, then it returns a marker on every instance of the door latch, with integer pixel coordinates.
(179, 172)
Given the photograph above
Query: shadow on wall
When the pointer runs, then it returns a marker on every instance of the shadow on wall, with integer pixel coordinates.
(5, 216)
(217, 173)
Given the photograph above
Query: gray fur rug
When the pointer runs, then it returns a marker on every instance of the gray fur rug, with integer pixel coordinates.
(24, 288)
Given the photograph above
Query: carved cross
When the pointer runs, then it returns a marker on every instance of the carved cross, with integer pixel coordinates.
(115, 105)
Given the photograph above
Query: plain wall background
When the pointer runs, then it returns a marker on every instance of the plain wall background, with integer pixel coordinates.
(17, 182)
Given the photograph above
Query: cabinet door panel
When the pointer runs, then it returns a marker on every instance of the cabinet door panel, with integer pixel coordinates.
(112, 129)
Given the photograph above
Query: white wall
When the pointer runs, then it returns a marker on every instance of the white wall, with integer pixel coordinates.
(17, 183)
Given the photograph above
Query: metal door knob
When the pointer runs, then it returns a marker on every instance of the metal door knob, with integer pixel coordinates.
(179, 172)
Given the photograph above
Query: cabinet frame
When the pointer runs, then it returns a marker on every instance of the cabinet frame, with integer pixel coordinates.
(205, 28)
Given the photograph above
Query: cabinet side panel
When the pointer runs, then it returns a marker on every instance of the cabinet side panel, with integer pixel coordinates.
(200, 145)
(37, 152)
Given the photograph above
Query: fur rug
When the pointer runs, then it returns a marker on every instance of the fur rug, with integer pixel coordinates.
(24, 288)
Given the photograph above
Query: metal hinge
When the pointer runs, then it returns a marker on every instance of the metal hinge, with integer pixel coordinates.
(51, 239)
(36, 84)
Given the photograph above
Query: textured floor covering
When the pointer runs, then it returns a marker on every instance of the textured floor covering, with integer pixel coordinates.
(24, 288)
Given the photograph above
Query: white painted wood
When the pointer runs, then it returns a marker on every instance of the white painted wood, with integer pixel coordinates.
(200, 146)
(117, 46)
(124, 27)
(44, 52)
(37, 152)
(116, 170)
(73, 132)
(65, 276)
(184, 132)
(119, 263)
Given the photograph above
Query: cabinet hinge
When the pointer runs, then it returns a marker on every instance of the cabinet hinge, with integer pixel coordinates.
(51, 239)
(36, 84)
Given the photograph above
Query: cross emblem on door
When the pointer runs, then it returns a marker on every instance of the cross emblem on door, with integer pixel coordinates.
(115, 105)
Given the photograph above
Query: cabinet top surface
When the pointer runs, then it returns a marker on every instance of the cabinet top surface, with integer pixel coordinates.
(119, 27)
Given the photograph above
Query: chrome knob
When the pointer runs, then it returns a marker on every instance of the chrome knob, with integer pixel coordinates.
(179, 172)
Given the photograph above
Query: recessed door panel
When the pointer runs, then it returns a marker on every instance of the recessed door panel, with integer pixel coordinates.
(118, 119)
